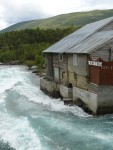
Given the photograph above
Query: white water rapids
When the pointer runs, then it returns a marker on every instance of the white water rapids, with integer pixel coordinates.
(30, 120)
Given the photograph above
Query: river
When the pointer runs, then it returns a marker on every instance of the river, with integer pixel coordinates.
(30, 120)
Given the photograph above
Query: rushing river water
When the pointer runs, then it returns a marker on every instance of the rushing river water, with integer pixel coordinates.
(30, 120)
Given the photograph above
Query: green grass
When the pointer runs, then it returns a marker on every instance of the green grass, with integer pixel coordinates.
(62, 21)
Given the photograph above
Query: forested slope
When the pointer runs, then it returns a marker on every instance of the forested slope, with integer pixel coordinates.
(27, 45)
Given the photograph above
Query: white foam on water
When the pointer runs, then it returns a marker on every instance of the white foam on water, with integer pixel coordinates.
(34, 94)
(11, 76)
(18, 133)
(103, 137)
(6, 84)
(8, 79)
(2, 97)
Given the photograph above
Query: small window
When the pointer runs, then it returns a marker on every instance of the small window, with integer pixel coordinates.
(75, 62)
(60, 57)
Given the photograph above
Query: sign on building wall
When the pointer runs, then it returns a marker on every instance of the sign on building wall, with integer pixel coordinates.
(95, 63)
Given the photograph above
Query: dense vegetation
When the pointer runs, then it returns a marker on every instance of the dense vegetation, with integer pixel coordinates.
(62, 21)
(26, 46)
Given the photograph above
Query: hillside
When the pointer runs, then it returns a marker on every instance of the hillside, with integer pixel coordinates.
(62, 21)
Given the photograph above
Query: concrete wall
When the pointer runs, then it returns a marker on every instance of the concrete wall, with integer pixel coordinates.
(100, 102)
(66, 92)
(50, 88)
(87, 97)
(72, 78)
(105, 99)
(63, 76)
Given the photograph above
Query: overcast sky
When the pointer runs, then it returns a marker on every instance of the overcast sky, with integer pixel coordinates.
(13, 11)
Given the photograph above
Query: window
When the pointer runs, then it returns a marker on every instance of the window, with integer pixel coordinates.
(60, 57)
(63, 74)
(75, 62)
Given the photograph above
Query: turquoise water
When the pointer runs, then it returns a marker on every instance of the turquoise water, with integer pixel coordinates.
(30, 120)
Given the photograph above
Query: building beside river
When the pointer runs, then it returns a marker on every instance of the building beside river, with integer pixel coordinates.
(80, 66)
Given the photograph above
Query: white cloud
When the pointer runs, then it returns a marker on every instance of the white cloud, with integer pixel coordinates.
(13, 11)
(3, 24)
(59, 6)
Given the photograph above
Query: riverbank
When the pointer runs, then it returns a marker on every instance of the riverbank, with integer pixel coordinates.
(34, 69)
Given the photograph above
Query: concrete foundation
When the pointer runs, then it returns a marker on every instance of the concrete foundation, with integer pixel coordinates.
(90, 99)
(50, 88)
(100, 102)
(105, 100)
(66, 92)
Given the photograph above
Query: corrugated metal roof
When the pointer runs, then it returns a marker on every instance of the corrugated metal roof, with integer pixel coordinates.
(78, 36)
(63, 45)
(92, 43)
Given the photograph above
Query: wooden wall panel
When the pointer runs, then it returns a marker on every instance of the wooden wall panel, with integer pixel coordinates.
(57, 75)
(94, 74)
(60, 63)
(82, 67)
(106, 52)
(70, 63)
(49, 66)
(55, 60)
(102, 75)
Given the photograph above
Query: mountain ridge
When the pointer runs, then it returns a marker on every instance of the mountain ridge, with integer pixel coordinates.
(62, 21)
